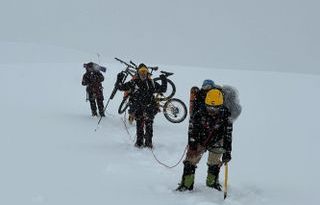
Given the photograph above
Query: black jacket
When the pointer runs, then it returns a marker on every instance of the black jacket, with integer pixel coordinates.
(208, 130)
(142, 91)
(93, 79)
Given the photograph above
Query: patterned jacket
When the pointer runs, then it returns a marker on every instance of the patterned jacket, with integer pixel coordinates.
(211, 131)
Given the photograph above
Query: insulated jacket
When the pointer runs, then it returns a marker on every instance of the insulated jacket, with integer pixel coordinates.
(211, 131)
(93, 79)
(142, 91)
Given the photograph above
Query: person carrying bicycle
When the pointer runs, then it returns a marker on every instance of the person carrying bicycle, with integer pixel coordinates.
(143, 104)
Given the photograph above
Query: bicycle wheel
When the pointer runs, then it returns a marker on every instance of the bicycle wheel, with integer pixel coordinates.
(175, 110)
(123, 105)
(171, 89)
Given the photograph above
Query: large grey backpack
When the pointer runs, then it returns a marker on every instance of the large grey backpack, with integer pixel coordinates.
(231, 101)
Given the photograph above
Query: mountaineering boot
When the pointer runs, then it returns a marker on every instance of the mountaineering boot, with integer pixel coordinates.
(102, 114)
(187, 180)
(148, 142)
(94, 113)
(138, 144)
(139, 141)
(213, 177)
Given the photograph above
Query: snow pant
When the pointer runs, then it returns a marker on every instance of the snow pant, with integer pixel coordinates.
(194, 156)
(96, 99)
(144, 123)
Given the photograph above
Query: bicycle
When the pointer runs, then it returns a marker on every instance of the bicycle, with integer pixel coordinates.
(173, 109)
(131, 70)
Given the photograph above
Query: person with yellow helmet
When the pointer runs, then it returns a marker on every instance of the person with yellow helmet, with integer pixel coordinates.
(143, 105)
(197, 95)
(210, 129)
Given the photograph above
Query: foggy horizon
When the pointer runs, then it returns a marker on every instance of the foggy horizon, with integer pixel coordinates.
(252, 35)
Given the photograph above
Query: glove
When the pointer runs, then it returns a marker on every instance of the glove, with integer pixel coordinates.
(163, 77)
(192, 144)
(226, 157)
(120, 76)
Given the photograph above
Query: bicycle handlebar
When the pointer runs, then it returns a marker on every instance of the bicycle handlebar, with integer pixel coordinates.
(121, 61)
(155, 68)
(166, 73)
(135, 65)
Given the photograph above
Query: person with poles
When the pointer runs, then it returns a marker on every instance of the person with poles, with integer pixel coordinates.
(210, 129)
(143, 104)
(93, 79)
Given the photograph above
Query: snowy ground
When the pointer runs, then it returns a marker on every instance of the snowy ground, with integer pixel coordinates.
(50, 153)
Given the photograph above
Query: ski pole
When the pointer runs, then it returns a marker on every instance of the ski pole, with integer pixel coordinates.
(105, 107)
(113, 93)
(225, 180)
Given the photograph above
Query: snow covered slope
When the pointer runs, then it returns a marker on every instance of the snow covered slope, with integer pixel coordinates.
(50, 153)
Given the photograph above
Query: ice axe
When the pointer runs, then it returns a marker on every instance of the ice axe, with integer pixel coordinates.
(225, 191)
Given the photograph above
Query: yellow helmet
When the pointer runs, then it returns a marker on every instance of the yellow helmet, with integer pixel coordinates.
(214, 98)
(143, 70)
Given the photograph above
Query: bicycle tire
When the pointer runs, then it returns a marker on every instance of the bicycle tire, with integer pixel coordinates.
(171, 90)
(123, 105)
(175, 110)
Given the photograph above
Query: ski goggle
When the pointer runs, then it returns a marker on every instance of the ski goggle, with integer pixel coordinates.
(213, 109)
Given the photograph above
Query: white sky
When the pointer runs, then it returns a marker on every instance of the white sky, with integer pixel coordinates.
(278, 35)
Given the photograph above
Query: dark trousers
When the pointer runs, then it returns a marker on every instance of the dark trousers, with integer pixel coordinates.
(144, 118)
(96, 99)
(94, 103)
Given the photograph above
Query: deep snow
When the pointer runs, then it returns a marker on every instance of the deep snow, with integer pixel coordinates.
(50, 153)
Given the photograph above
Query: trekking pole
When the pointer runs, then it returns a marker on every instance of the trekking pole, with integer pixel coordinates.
(105, 107)
(225, 180)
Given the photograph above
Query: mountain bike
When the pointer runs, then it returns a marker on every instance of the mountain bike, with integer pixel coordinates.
(173, 109)
(132, 69)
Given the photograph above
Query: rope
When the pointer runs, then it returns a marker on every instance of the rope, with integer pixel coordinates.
(167, 166)
(155, 157)
(124, 120)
